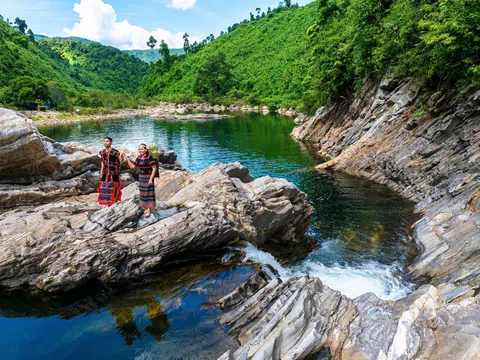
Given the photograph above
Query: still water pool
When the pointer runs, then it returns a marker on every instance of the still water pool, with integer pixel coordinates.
(361, 230)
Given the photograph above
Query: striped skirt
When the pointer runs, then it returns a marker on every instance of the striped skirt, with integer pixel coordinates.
(147, 192)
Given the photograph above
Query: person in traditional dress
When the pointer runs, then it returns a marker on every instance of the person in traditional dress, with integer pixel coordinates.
(147, 170)
(110, 188)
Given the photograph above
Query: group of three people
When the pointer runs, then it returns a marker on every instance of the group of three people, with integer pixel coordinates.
(110, 188)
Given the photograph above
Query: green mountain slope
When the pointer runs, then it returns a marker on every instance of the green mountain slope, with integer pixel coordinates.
(65, 72)
(98, 66)
(268, 58)
(151, 55)
(21, 57)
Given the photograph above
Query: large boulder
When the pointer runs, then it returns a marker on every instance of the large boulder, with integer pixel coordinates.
(62, 245)
(29, 157)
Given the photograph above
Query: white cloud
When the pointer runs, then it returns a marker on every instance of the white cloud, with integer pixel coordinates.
(98, 22)
(182, 4)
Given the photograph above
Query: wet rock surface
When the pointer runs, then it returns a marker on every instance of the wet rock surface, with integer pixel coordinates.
(427, 149)
(300, 316)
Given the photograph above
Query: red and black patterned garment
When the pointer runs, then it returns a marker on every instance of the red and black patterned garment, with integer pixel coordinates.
(145, 164)
(110, 188)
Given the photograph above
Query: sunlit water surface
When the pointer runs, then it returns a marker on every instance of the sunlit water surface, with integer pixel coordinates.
(361, 230)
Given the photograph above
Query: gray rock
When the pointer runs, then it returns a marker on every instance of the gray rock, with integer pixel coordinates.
(429, 153)
(62, 245)
(299, 317)
(28, 157)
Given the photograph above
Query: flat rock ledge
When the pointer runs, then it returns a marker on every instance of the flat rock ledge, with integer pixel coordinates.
(296, 318)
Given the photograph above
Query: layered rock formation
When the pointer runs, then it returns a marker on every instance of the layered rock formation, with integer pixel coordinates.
(293, 319)
(62, 245)
(426, 147)
(28, 157)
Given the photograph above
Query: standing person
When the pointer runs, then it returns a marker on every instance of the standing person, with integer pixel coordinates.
(147, 166)
(110, 188)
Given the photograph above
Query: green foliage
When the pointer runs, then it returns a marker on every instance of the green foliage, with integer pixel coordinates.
(434, 40)
(151, 42)
(24, 90)
(21, 24)
(98, 66)
(67, 69)
(268, 59)
(152, 55)
(214, 78)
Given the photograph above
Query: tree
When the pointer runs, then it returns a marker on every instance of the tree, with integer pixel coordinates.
(24, 90)
(288, 3)
(22, 25)
(164, 50)
(151, 42)
(56, 94)
(31, 36)
(269, 10)
(252, 17)
(214, 77)
(186, 44)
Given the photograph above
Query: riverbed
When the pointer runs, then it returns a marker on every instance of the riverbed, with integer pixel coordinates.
(360, 229)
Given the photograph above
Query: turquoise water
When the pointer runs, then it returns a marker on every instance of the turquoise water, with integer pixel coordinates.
(360, 229)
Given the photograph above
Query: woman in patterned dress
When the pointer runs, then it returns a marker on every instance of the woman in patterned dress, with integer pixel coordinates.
(147, 169)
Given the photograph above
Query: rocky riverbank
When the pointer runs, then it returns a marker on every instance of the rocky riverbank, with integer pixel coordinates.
(298, 317)
(428, 149)
(425, 147)
(71, 240)
(162, 111)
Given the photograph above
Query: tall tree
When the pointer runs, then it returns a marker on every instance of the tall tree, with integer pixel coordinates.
(252, 17)
(151, 42)
(214, 77)
(288, 3)
(186, 43)
(22, 25)
(31, 35)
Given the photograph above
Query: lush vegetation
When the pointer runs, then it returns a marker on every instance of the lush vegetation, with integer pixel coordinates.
(97, 66)
(307, 56)
(267, 58)
(65, 73)
(302, 57)
(436, 41)
(151, 55)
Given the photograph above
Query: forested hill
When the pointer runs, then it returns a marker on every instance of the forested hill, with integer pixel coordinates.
(98, 66)
(35, 71)
(268, 59)
(308, 56)
(151, 55)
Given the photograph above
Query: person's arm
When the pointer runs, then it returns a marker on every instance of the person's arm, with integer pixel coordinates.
(130, 164)
(154, 171)
(101, 164)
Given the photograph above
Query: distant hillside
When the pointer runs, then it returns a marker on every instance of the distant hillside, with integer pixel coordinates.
(65, 72)
(268, 60)
(74, 38)
(98, 66)
(151, 55)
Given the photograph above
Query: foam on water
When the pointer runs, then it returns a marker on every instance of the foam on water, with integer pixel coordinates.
(352, 281)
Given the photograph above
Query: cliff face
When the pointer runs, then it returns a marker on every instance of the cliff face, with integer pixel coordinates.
(425, 147)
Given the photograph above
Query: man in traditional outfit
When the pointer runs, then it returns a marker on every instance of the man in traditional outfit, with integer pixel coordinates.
(110, 188)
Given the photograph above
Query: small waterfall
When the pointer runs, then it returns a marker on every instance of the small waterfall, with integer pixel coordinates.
(352, 281)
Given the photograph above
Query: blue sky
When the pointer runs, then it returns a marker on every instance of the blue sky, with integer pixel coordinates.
(128, 24)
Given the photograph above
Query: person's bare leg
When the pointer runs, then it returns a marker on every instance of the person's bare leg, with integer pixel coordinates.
(147, 212)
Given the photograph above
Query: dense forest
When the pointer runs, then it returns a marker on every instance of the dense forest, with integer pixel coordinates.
(288, 56)
(305, 56)
(65, 73)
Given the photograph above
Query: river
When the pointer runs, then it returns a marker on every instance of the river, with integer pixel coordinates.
(360, 228)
